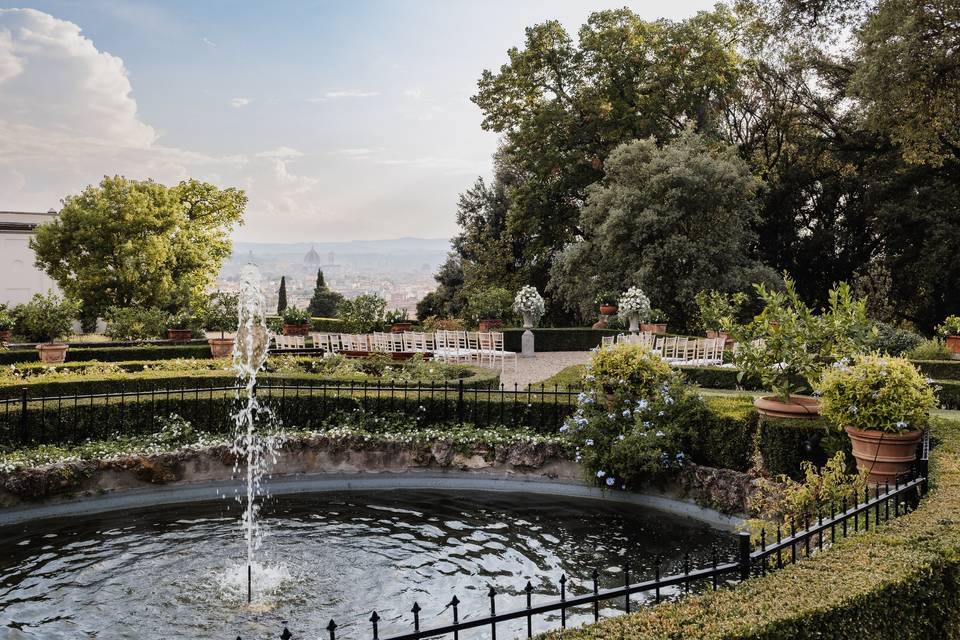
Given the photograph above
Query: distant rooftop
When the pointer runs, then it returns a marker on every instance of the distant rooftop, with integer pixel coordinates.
(23, 221)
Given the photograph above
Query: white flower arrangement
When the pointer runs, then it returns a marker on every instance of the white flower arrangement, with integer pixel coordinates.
(633, 301)
(529, 301)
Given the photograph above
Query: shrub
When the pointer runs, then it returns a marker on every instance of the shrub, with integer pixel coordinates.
(490, 303)
(363, 314)
(222, 312)
(717, 309)
(295, 316)
(183, 319)
(6, 318)
(950, 327)
(628, 371)
(606, 297)
(46, 318)
(933, 349)
(876, 392)
(135, 323)
(893, 341)
(433, 323)
(396, 315)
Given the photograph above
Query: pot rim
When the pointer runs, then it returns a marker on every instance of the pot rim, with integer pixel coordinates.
(878, 434)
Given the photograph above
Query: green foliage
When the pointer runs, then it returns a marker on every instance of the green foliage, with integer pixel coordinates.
(221, 312)
(894, 341)
(129, 243)
(363, 314)
(950, 327)
(489, 303)
(295, 315)
(607, 297)
(877, 393)
(45, 318)
(932, 349)
(282, 296)
(655, 219)
(717, 309)
(183, 319)
(7, 318)
(784, 445)
(396, 315)
(449, 299)
(80, 354)
(627, 371)
(325, 302)
(135, 323)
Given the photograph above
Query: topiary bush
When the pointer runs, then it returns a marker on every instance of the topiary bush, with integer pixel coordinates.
(892, 340)
(135, 323)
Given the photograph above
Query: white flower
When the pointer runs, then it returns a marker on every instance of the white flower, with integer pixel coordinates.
(601, 473)
(589, 442)
(659, 434)
(634, 300)
(902, 425)
(611, 481)
(530, 301)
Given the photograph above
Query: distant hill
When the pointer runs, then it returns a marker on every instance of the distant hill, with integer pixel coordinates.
(392, 246)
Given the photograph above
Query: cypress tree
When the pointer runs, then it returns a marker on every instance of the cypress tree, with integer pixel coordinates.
(282, 298)
(324, 302)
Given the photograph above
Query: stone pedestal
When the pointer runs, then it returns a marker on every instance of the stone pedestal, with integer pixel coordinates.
(526, 344)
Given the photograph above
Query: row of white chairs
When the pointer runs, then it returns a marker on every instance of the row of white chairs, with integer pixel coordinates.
(679, 350)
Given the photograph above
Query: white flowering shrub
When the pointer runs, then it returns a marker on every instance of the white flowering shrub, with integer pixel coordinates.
(530, 301)
(633, 301)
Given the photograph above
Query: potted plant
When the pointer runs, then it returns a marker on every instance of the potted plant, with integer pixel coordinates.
(180, 325)
(398, 320)
(634, 305)
(787, 346)
(950, 330)
(883, 404)
(46, 319)
(6, 323)
(717, 309)
(656, 322)
(529, 303)
(489, 307)
(221, 314)
(608, 302)
(296, 321)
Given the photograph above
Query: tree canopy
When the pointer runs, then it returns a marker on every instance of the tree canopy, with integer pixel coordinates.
(325, 302)
(139, 243)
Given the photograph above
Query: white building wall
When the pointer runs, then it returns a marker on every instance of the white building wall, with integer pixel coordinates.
(19, 278)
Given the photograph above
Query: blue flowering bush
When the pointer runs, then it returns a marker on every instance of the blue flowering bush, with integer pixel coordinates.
(635, 420)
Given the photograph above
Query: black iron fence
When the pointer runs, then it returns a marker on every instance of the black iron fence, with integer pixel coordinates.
(62, 419)
(823, 526)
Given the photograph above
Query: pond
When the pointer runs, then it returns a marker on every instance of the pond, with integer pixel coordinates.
(178, 571)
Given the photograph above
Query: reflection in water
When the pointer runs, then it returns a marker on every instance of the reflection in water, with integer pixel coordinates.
(181, 569)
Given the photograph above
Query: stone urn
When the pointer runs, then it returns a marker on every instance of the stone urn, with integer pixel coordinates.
(799, 407)
(634, 322)
(51, 353)
(884, 456)
(221, 347)
(527, 320)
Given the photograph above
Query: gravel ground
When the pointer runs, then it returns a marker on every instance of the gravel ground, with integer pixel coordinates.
(541, 366)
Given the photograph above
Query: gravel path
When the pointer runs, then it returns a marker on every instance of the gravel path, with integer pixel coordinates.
(541, 366)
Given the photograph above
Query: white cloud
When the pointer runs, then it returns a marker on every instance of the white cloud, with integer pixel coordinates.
(360, 152)
(239, 103)
(345, 93)
(280, 152)
(210, 43)
(415, 93)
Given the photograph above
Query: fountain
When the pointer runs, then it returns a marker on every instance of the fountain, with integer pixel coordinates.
(250, 448)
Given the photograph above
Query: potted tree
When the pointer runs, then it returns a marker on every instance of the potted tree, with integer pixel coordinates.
(529, 304)
(716, 308)
(46, 319)
(221, 314)
(296, 321)
(398, 321)
(634, 305)
(6, 323)
(656, 322)
(883, 404)
(180, 325)
(608, 302)
(950, 330)
(489, 307)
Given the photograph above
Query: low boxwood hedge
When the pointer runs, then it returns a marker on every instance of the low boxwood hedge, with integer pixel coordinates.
(899, 581)
(939, 369)
(113, 354)
(565, 339)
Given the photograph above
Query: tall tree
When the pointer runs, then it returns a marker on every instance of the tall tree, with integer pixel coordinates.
(325, 302)
(282, 296)
(139, 243)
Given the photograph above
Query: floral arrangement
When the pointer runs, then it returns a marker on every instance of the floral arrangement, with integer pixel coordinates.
(529, 301)
(633, 301)
(950, 327)
(876, 393)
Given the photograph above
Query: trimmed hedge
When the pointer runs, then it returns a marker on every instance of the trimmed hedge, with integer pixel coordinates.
(939, 369)
(727, 441)
(113, 354)
(785, 444)
(900, 581)
(563, 339)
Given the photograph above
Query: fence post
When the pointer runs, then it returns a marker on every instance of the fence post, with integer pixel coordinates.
(460, 407)
(744, 554)
(924, 469)
(23, 416)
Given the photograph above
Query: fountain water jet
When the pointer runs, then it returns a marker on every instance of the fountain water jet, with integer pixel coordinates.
(249, 355)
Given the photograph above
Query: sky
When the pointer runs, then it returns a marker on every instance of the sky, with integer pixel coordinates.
(341, 120)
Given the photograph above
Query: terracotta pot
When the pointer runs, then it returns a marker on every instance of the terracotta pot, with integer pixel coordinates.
(608, 309)
(489, 324)
(296, 329)
(401, 327)
(5, 335)
(654, 327)
(953, 345)
(220, 347)
(885, 456)
(179, 334)
(799, 407)
(727, 341)
(52, 353)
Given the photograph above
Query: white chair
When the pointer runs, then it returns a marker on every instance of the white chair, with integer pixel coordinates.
(500, 353)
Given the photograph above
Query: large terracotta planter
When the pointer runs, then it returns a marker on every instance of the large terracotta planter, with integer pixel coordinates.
(654, 327)
(5, 335)
(179, 334)
(727, 341)
(884, 456)
(296, 329)
(221, 347)
(401, 327)
(953, 345)
(52, 353)
(608, 309)
(490, 324)
(799, 407)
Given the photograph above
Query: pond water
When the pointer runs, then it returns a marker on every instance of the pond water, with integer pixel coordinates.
(178, 572)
